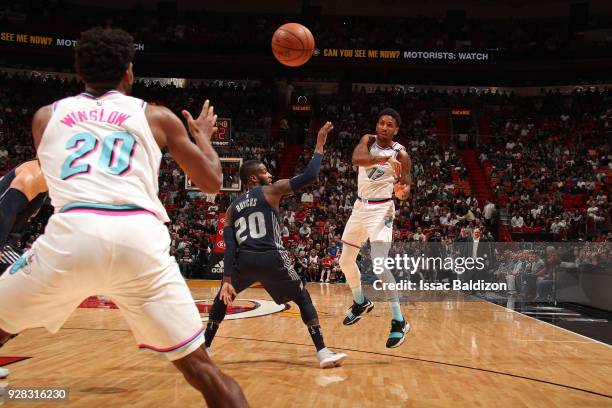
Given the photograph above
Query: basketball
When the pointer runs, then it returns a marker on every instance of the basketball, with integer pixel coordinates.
(292, 44)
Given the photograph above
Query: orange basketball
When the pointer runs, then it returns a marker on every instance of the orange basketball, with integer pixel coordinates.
(293, 44)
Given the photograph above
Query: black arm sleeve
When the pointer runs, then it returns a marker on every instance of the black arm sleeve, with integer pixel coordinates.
(230, 251)
(310, 174)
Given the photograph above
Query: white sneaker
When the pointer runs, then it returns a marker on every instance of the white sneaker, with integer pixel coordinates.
(4, 372)
(329, 359)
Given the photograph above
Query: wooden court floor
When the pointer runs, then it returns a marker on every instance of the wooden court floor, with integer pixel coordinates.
(458, 354)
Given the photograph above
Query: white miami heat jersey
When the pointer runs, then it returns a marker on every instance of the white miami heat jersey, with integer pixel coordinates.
(101, 150)
(377, 181)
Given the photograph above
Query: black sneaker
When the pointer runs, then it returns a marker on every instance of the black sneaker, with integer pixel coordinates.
(355, 312)
(398, 333)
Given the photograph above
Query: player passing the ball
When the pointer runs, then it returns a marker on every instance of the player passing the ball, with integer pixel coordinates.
(381, 163)
(254, 251)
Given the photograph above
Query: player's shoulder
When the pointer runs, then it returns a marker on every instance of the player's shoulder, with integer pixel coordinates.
(44, 111)
(398, 146)
(158, 112)
(131, 101)
(240, 198)
(41, 119)
(164, 117)
(368, 139)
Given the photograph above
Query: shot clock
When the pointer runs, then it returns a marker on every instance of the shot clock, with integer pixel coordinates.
(223, 137)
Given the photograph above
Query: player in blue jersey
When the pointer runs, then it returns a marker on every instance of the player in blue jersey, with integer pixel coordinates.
(254, 251)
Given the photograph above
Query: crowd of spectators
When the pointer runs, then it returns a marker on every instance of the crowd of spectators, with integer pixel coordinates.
(560, 133)
(550, 162)
(530, 272)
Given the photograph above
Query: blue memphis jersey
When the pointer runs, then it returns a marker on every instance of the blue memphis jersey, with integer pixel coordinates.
(256, 225)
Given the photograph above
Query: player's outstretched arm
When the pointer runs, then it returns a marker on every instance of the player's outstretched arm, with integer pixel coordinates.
(362, 156)
(276, 191)
(199, 160)
(402, 188)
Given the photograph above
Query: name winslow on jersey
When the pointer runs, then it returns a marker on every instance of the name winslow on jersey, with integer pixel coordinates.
(95, 115)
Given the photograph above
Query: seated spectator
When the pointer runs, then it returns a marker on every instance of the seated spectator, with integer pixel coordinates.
(517, 221)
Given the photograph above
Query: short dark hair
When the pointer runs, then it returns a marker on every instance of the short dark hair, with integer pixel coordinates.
(102, 56)
(248, 169)
(393, 113)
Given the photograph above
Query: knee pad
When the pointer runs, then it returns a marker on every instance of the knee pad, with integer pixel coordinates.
(218, 310)
(307, 309)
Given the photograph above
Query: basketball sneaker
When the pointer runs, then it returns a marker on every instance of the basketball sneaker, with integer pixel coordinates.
(398, 333)
(4, 372)
(355, 312)
(329, 359)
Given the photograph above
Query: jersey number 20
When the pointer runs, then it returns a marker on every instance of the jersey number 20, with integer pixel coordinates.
(107, 162)
(256, 227)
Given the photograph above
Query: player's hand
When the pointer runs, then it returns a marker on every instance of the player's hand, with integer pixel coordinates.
(397, 166)
(204, 124)
(402, 191)
(322, 135)
(227, 293)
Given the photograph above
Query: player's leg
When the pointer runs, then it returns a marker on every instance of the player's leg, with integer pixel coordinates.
(171, 325)
(353, 237)
(327, 358)
(41, 289)
(218, 389)
(380, 231)
(215, 317)
(274, 270)
(147, 286)
(218, 311)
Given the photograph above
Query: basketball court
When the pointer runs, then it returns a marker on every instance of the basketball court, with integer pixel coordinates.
(459, 352)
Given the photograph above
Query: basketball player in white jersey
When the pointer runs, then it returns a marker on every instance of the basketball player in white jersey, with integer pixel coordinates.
(100, 155)
(381, 163)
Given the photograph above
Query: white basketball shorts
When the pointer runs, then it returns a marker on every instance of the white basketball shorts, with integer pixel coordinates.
(123, 255)
(371, 220)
